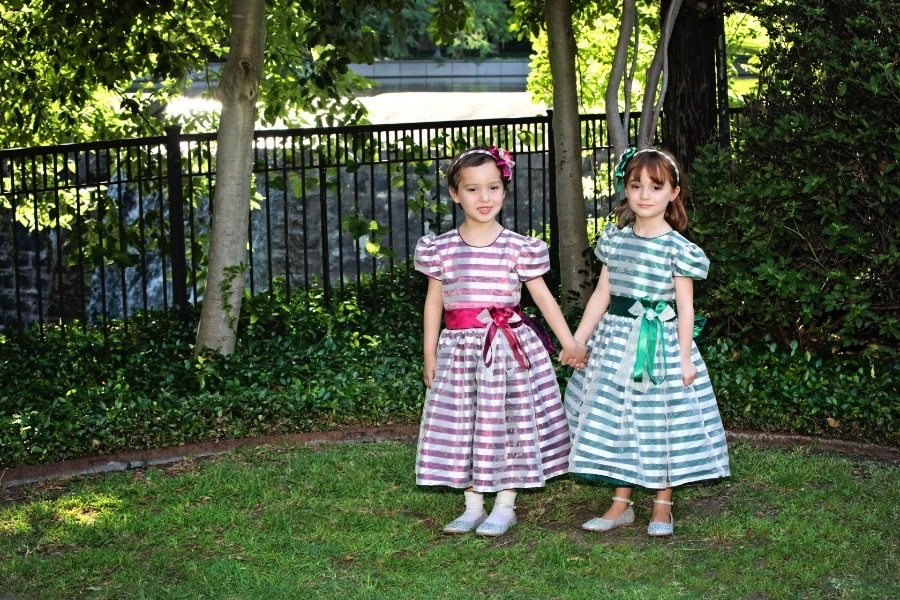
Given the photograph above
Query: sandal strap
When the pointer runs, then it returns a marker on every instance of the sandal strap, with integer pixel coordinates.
(621, 499)
(663, 502)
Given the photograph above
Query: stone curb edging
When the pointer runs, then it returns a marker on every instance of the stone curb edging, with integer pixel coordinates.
(136, 459)
(888, 454)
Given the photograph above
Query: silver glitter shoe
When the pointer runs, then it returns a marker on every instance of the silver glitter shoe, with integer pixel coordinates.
(660, 529)
(463, 525)
(623, 520)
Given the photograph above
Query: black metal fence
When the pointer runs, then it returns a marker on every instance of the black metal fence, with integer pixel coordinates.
(109, 230)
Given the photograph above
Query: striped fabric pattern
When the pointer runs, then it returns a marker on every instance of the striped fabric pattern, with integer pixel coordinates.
(654, 436)
(498, 427)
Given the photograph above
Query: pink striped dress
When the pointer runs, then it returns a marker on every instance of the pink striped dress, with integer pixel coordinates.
(488, 421)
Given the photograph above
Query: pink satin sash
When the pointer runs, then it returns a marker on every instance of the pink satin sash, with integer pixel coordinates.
(467, 318)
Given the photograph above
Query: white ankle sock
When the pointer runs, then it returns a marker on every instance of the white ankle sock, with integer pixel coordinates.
(474, 506)
(503, 512)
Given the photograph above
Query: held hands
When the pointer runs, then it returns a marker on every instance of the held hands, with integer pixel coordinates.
(575, 355)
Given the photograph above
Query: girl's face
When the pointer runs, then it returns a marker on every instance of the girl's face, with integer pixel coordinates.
(647, 197)
(480, 193)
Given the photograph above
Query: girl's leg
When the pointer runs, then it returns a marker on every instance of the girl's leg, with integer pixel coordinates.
(473, 516)
(661, 523)
(621, 503)
(502, 517)
(662, 507)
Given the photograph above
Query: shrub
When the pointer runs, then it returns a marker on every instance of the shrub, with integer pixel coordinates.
(304, 364)
(773, 387)
(800, 218)
(301, 364)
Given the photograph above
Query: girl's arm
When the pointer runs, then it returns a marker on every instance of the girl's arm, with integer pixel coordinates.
(684, 301)
(596, 306)
(546, 303)
(434, 310)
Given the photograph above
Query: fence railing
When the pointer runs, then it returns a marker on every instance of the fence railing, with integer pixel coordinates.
(109, 230)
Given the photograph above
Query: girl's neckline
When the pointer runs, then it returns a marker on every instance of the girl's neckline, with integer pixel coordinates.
(491, 243)
(649, 237)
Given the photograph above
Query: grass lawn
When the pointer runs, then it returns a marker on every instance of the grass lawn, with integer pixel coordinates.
(345, 520)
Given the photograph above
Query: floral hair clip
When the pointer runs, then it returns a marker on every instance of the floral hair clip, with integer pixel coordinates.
(630, 153)
(503, 158)
(504, 161)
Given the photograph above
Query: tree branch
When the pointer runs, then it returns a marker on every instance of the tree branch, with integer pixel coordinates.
(659, 68)
(618, 130)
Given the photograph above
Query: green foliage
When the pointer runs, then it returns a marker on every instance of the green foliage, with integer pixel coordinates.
(81, 71)
(800, 218)
(304, 364)
(450, 28)
(771, 387)
(745, 40)
(596, 27)
(86, 70)
(596, 31)
(301, 364)
(309, 49)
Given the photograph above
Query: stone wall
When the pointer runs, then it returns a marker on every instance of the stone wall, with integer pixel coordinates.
(33, 278)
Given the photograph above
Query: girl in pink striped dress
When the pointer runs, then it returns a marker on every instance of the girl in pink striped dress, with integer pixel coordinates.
(493, 419)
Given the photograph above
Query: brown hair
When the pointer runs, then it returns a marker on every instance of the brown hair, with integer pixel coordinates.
(474, 157)
(661, 167)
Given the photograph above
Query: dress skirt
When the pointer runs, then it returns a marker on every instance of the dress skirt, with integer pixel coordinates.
(645, 434)
(492, 424)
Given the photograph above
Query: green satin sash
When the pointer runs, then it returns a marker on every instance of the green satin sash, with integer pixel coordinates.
(652, 331)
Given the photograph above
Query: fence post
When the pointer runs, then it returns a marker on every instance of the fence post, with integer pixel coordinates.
(323, 225)
(551, 200)
(176, 221)
(722, 80)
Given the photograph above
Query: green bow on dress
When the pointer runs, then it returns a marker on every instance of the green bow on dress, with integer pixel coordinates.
(650, 338)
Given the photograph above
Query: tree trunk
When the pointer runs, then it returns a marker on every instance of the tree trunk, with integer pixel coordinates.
(238, 92)
(571, 239)
(690, 105)
(657, 77)
(618, 125)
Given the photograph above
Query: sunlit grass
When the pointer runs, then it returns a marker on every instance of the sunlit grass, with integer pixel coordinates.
(347, 521)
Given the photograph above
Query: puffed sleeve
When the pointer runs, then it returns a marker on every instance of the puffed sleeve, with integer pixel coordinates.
(533, 260)
(426, 258)
(604, 244)
(690, 261)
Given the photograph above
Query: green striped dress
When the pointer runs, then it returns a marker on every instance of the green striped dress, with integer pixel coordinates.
(653, 433)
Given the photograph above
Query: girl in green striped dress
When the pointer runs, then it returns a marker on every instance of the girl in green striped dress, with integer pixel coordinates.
(643, 412)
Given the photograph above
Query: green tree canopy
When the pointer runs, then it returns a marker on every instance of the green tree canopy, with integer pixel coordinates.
(596, 29)
(808, 196)
(88, 70)
(480, 30)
